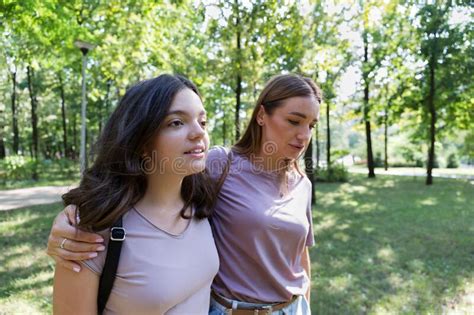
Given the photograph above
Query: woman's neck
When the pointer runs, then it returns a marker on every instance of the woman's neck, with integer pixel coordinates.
(271, 163)
(163, 194)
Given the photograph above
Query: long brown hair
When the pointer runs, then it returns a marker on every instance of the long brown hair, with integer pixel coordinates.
(277, 89)
(116, 180)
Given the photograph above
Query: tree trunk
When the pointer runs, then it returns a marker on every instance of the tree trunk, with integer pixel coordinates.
(432, 110)
(224, 130)
(370, 157)
(105, 112)
(2, 134)
(2, 145)
(74, 136)
(63, 115)
(385, 122)
(16, 139)
(328, 138)
(318, 150)
(238, 89)
(34, 116)
(309, 168)
(237, 107)
(34, 119)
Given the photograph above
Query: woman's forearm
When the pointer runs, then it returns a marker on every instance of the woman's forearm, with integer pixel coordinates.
(306, 263)
(74, 293)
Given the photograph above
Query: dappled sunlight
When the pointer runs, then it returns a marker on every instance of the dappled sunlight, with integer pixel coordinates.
(407, 246)
(463, 302)
(17, 252)
(349, 203)
(390, 183)
(428, 201)
(407, 294)
(395, 280)
(344, 226)
(402, 249)
(10, 226)
(39, 279)
(26, 272)
(404, 298)
(366, 259)
(328, 200)
(416, 266)
(365, 208)
(340, 263)
(343, 237)
(368, 229)
(327, 222)
(12, 306)
(386, 254)
(341, 283)
(348, 188)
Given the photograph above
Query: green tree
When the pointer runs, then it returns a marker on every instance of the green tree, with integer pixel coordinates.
(446, 50)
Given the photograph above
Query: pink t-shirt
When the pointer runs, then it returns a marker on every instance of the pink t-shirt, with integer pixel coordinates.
(161, 273)
(259, 235)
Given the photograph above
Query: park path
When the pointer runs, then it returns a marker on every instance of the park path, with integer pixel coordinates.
(19, 198)
(412, 172)
(24, 197)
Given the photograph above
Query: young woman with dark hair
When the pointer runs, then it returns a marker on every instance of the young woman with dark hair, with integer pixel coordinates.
(262, 222)
(149, 171)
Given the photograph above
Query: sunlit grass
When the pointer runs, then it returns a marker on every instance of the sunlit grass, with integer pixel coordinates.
(17, 184)
(461, 171)
(392, 245)
(385, 246)
(26, 272)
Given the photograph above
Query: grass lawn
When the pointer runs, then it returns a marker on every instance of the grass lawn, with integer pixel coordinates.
(26, 272)
(390, 245)
(461, 172)
(393, 245)
(28, 183)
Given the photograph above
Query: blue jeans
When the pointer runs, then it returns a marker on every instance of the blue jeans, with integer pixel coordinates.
(299, 307)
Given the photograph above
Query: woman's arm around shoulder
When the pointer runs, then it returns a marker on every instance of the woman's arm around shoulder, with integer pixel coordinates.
(67, 244)
(75, 293)
(216, 161)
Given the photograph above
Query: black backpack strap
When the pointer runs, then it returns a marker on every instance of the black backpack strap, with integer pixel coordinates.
(107, 278)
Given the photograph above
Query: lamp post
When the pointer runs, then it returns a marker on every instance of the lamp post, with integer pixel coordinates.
(84, 47)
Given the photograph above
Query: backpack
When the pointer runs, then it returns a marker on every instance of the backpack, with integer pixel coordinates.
(107, 278)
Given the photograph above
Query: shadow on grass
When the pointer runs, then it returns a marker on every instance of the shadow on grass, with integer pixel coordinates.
(25, 269)
(391, 245)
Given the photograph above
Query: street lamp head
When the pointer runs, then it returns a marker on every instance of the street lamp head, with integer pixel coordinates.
(84, 46)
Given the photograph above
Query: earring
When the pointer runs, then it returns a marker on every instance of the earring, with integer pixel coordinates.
(260, 122)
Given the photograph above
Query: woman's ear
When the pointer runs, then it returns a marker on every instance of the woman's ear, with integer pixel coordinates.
(261, 115)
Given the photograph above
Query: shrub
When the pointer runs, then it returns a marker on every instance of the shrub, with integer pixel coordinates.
(21, 168)
(453, 161)
(17, 167)
(335, 173)
(435, 162)
(401, 163)
(378, 162)
(412, 157)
